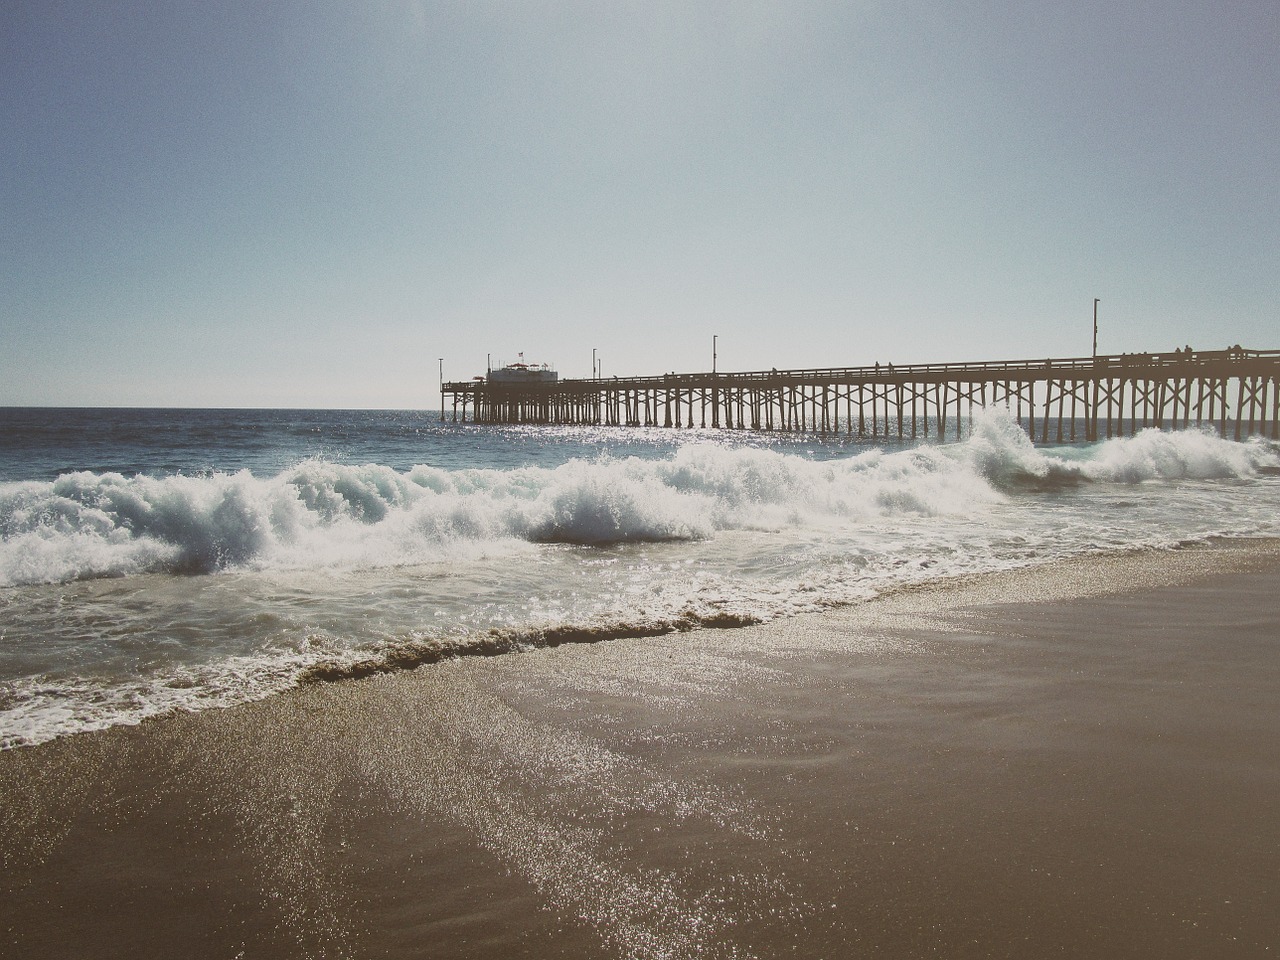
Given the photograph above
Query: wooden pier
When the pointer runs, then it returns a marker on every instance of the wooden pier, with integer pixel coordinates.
(1236, 392)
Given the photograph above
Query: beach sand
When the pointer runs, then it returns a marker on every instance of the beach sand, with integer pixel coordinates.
(1081, 760)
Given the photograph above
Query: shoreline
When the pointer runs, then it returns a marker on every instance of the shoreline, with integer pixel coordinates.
(1077, 758)
(409, 655)
(498, 642)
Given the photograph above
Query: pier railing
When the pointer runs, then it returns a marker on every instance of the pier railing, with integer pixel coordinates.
(1234, 391)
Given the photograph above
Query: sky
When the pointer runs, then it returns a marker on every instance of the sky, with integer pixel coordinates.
(325, 204)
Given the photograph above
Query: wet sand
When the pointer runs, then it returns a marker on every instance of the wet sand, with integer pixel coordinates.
(1081, 760)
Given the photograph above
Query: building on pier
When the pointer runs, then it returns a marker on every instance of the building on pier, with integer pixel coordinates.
(1236, 392)
(521, 373)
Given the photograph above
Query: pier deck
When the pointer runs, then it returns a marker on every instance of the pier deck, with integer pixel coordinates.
(1235, 391)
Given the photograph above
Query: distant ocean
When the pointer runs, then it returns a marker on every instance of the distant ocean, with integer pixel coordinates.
(157, 560)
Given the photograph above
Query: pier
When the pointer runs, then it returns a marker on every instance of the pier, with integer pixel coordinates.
(1236, 392)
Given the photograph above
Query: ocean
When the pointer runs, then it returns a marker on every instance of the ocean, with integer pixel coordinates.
(162, 560)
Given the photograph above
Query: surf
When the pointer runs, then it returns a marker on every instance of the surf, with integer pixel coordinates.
(319, 513)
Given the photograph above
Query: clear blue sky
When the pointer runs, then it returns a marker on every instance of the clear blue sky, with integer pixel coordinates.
(306, 204)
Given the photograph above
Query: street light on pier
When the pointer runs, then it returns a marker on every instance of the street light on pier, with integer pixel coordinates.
(441, 359)
(714, 338)
(1095, 328)
(593, 363)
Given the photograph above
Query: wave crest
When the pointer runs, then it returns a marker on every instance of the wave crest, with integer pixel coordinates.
(324, 514)
(1002, 452)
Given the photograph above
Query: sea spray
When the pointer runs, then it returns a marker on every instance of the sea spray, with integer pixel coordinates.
(326, 514)
(1001, 451)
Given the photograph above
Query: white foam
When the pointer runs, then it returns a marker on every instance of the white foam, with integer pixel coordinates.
(1183, 455)
(323, 514)
(37, 709)
(1001, 451)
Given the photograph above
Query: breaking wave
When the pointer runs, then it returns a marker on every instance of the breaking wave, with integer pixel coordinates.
(324, 514)
(1003, 453)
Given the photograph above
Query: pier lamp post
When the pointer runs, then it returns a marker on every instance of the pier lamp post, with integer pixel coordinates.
(441, 389)
(1095, 328)
(714, 338)
(593, 363)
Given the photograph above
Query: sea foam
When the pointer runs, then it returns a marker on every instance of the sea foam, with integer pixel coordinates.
(320, 513)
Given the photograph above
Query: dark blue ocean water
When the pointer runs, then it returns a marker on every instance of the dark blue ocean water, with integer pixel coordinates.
(38, 443)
